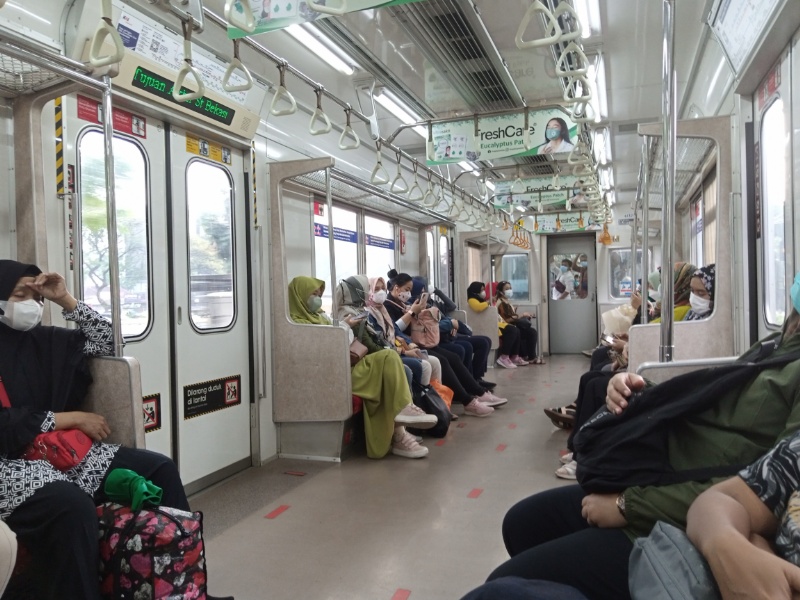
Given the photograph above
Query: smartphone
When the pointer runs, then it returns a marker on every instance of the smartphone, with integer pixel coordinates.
(607, 339)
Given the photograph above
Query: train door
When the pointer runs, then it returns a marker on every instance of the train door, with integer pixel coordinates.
(774, 178)
(571, 296)
(210, 306)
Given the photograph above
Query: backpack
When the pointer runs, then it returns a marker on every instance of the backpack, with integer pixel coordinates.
(631, 449)
(154, 554)
(424, 329)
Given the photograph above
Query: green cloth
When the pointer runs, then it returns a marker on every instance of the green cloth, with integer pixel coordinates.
(300, 288)
(743, 426)
(126, 487)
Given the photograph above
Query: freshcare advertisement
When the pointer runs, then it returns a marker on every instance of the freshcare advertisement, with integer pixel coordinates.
(535, 190)
(551, 132)
(565, 222)
(271, 15)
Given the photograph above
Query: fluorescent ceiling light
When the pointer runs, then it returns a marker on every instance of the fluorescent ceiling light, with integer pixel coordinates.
(601, 145)
(597, 79)
(401, 111)
(589, 16)
(312, 42)
(490, 185)
(466, 166)
(29, 13)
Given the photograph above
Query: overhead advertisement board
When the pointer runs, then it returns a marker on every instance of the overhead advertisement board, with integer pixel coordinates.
(551, 132)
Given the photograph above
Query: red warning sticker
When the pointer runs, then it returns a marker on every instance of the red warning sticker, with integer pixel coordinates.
(277, 512)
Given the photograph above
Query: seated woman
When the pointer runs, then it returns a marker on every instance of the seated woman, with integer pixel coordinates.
(584, 540)
(476, 347)
(747, 527)
(701, 297)
(476, 400)
(378, 379)
(45, 377)
(527, 333)
(509, 335)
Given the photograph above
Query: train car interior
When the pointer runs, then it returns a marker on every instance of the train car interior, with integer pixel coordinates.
(181, 163)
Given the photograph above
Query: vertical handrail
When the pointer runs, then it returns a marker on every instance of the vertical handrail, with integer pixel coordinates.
(668, 142)
(111, 217)
(645, 213)
(332, 255)
(635, 226)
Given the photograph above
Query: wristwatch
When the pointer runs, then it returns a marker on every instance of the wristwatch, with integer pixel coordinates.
(621, 504)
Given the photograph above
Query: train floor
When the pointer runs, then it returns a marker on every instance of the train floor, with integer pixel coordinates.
(396, 528)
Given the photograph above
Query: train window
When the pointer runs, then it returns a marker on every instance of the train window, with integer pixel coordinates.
(431, 256)
(443, 282)
(696, 210)
(380, 242)
(131, 186)
(620, 271)
(209, 200)
(515, 270)
(345, 248)
(774, 148)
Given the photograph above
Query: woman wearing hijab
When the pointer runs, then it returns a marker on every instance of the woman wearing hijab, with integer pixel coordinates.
(702, 296)
(476, 400)
(378, 378)
(44, 376)
(528, 335)
(509, 335)
(682, 288)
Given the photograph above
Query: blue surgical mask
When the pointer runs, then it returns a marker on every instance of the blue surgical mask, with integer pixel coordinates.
(314, 303)
(552, 133)
(564, 268)
(796, 293)
(583, 263)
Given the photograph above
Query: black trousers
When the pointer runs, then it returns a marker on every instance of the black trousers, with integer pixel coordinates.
(509, 341)
(57, 527)
(456, 376)
(548, 539)
(481, 345)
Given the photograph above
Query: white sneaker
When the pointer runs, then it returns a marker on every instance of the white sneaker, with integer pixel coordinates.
(565, 458)
(476, 408)
(414, 416)
(407, 447)
(489, 399)
(505, 362)
(567, 471)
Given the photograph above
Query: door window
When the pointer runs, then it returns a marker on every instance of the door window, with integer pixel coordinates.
(130, 190)
(568, 277)
(345, 248)
(515, 270)
(209, 201)
(774, 150)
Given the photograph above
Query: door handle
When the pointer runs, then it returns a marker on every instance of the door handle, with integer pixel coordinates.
(180, 319)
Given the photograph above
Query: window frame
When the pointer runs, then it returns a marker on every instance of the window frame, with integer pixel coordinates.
(643, 276)
(527, 256)
(188, 271)
(78, 220)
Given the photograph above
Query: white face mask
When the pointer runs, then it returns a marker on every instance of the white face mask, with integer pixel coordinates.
(482, 295)
(404, 296)
(379, 297)
(655, 295)
(508, 293)
(700, 305)
(22, 316)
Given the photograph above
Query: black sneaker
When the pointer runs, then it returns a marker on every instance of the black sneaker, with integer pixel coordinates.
(488, 385)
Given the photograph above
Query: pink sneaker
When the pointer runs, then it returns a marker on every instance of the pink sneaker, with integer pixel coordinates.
(505, 362)
(489, 399)
(519, 361)
(407, 447)
(476, 408)
(414, 416)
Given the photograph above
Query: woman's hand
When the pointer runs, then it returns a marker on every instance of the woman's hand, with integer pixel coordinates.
(744, 571)
(455, 325)
(51, 286)
(620, 388)
(413, 353)
(618, 344)
(600, 510)
(94, 426)
(636, 300)
(418, 306)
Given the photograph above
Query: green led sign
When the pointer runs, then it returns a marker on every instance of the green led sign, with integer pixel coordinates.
(158, 86)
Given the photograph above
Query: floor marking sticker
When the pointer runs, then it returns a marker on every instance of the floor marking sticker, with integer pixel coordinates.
(440, 442)
(521, 411)
(401, 594)
(512, 425)
(475, 493)
(295, 473)
(501, 447)
(277, 512)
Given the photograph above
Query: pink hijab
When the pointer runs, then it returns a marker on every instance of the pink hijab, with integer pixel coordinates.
(378, 311)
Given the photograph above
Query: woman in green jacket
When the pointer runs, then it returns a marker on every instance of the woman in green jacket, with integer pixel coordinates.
(378, 379)
(584, 540)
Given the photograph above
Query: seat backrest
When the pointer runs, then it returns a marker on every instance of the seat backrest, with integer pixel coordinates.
(8, 555)
(485, 323)
(116, 394)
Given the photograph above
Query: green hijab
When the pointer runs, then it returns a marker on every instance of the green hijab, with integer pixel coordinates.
(300, 288)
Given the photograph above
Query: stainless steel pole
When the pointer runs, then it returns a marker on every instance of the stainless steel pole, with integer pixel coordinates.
(668, 142)
(111, 218)
(329, 204)
(645, 215)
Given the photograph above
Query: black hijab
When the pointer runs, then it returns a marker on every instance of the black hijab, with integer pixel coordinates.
(43, 369)
(474, 291)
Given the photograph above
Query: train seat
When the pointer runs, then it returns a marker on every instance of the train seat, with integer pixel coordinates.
(116, 393)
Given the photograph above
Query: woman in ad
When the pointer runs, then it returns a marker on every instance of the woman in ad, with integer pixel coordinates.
(557, 136)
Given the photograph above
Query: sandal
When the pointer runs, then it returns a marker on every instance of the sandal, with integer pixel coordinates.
(539, 361)
(562, 416)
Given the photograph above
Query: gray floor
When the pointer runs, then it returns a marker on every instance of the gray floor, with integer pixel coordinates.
(395, 528)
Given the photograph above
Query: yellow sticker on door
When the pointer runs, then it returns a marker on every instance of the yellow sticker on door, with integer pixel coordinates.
(211, 150)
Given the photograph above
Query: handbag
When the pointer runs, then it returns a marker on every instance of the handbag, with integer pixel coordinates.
(666, 566)
(429, 400)
(357, 349)
(64, 449)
